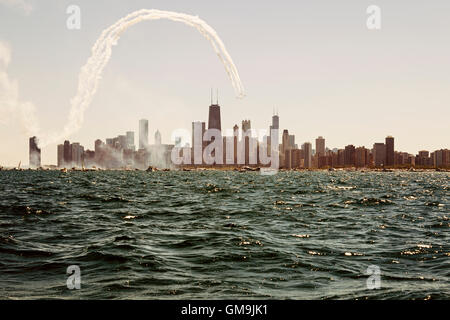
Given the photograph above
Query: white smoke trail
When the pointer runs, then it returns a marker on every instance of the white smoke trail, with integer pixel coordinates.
(91, 72)
(10, 105)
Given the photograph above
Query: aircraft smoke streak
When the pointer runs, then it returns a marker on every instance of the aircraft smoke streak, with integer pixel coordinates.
(10, 104)
(90, 74)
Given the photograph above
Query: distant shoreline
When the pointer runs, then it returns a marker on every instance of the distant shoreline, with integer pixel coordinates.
(235, 169)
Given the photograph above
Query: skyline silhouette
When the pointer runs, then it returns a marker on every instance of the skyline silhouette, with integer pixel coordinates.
(210, 145)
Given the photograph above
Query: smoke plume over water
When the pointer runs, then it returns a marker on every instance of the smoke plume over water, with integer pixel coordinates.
(10, 105)
(90, 74)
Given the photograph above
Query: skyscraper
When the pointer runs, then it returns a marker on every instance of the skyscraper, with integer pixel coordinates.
(130, 140)
(34, 153)
(292, 141)
(157, 138)
(379, 154)
(361, 157)
(143, 134)
(275, 122)
(60, 155)
(285, 142)
(349, 156)
(307, 149)
(67, 153)
(389, 151)
(122, 142)
(275, 126)
(214, 121)
(235, 143)
(214, 117)
(246, 125)
(76, 154)
(320, 146)
(246, 136)
(99, 151)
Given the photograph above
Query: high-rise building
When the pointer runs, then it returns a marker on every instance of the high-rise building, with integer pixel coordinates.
(437, 158)
(320, 146)
(389, 151)
(292, 141)
(288, 159)
(446, 158)
(349, 156)
(424, 154)
(235, 143)
(130, 140)
(285, 141)
(158, 138)
(246, 136)
(76, 154)
(60, 155)
(143, 134)
(361, 157)
(379, 154)
(214, 121)
(307, 149)
(275, 123)
(34, 153)
(296, 156)
(246, 125)
(99, 152)
(122, 142)
(214, 117)
(324, 161)
(275, 126)
(340, 157)
(67, 153)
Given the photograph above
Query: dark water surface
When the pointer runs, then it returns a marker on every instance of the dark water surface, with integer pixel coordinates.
(217, 235)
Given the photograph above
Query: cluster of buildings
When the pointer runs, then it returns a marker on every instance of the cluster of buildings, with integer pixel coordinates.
(291, 156)
(118, 152)
(240, 148)
(381, 155)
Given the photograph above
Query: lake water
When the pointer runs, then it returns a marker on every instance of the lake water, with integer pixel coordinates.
(219, 235)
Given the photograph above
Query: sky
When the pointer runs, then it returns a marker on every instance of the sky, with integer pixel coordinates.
(316, 62)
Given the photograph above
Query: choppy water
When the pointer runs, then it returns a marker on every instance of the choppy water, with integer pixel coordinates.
(217, 235)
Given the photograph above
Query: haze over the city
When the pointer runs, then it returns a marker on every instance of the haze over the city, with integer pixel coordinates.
(316, 62)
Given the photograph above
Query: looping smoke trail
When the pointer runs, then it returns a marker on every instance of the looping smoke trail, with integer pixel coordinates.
(90, 73)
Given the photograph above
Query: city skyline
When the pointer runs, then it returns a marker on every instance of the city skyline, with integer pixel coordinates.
(249, 147)
(370, 83)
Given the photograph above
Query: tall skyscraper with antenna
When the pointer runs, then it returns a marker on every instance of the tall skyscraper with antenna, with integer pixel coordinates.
(214, 114)
(275, 121)
(275, 126)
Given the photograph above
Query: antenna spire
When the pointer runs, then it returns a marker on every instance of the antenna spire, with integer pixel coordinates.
(211, 96)
(217, 97)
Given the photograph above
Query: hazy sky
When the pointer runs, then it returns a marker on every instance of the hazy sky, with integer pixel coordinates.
(315, 61)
